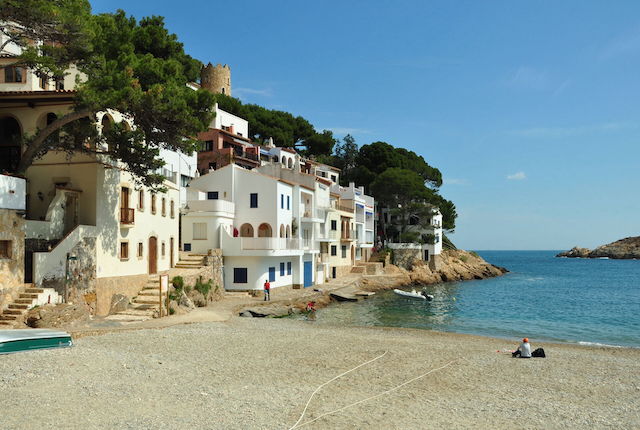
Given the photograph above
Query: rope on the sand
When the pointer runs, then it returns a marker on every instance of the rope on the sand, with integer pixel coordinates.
(329, 381)
(368, 398)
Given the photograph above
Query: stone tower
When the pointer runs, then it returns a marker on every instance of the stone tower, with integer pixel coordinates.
(216, 79)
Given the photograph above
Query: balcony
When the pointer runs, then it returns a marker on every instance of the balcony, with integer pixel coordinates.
(314, 215)
(348, 235)
(127, 216)
(211, 206)
(269, 243)
(329, 236)
(345, 207)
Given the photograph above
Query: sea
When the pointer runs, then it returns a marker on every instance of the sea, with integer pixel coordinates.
(544, 298)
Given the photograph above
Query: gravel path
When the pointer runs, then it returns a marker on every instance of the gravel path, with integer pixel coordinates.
(259, 373)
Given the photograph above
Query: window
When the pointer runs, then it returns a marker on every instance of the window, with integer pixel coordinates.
(287, 202)
(153, 203)
(13, 74)
(199, 231)
(281, 269)
(334, 224)
(333, 178)
(141, 200)
(186, 247)
(239, 275)
(344, 251)
(212, 195)
(207, 145)
(60, 84)
(43, 82)
(172, 209)
(163, 249)
(289, 268)
(124, 250)
(334, 250)
(140, 249)
(184, 180)
(253, 200)
(164, 207)
(281, 201)
(5, 248)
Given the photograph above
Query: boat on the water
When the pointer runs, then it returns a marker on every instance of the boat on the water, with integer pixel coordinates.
(414, 294)
(30, 339)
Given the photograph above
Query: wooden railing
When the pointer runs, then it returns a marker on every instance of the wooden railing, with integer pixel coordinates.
(127, 215)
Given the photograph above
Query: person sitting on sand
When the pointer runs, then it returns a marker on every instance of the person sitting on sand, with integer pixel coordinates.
(267, 290)
(524, 350)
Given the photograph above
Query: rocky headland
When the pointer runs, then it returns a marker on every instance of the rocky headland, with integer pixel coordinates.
(623, 249)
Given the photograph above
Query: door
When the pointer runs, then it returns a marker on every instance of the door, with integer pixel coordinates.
(308, 273)
(426, 255)
(272, 274)
(153, 255)
(171, 253)
(70, 212)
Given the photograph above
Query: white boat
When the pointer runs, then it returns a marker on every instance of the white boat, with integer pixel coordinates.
(413, 294)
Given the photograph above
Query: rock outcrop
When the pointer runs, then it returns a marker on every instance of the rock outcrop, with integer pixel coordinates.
(623, 249)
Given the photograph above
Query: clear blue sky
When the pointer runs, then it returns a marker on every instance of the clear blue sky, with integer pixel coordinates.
(529, 109)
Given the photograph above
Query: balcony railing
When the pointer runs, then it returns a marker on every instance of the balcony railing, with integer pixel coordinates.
(329, 235)
(348, 235)
(269, 243)
(314, 213)
(246, 155)
(210, 206)
(345, 207)
(127, 215)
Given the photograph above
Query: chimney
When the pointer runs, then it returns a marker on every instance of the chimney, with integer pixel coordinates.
(231, 130)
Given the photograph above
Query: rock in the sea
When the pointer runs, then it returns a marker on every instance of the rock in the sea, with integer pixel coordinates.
(575, 252)
(628, 248)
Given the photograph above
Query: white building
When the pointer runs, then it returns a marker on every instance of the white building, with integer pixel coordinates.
(257, 221)
(429, 231)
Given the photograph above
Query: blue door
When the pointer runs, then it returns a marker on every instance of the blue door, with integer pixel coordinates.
(272, 274)
(308, 273)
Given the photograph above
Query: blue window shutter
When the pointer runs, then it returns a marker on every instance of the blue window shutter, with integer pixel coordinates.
(289, 268)
(253, 200)
(272, 274)
(212, 195)
(287, 202)
(281, 201)
(281, 269)
(240, 275)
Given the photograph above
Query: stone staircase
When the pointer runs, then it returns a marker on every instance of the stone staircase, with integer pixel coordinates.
(368, 268)
(190, 261)
(28, 298)
(144, 306)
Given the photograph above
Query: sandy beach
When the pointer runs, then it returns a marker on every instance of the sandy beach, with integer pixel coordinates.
(260, 373)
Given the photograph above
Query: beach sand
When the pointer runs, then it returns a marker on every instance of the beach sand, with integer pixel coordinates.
(259, 374)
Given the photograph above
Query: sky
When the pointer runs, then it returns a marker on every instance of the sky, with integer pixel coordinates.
(529, 109)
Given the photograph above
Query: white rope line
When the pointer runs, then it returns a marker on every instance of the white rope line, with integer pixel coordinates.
(329, 381)
(372, 397)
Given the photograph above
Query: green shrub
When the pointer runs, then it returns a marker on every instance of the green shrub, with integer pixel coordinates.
(172, 311)
(475, 254)
(203, 287)
(464, 258)
(178, 282)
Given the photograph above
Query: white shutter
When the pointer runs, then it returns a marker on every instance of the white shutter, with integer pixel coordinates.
(199, 230)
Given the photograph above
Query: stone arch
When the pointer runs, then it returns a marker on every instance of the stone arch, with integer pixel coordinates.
(281, 230)
(10, 148)
(264, 230)
(246, 230)
(290, 163)
(288, 232)
(283, 161)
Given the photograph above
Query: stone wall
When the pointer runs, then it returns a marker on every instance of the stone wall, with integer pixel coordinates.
(405, 258)
(214, 261)
(81, 273)
(106, 288)
(12, 268)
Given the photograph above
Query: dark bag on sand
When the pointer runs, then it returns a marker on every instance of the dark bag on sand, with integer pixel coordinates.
(538, 353)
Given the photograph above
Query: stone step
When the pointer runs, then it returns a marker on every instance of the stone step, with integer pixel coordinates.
(34, 290)
(18, 306)
(28, 296)
(144, 306)
(6, 324)
(4, 317)
(146, 300)
(145, 312)
(12, 312)
(23, 301)
(149, 293)
(127, 318)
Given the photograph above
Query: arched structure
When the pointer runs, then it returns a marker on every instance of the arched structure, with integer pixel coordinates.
(246, 230)
(289, 163)
(281, 230)
(288, 233)
(10, 137)
(264, 230)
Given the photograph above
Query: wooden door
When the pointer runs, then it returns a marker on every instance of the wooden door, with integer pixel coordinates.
(153, 255)
(171, 253)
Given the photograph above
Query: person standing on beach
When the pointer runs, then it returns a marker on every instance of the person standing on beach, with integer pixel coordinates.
(524, 350)
(267, 290)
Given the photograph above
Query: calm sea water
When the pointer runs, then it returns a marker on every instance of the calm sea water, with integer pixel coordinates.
(544, 298)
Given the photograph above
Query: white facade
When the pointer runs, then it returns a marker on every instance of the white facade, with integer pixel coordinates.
(12, 193)
(227, 121)
(179, 169)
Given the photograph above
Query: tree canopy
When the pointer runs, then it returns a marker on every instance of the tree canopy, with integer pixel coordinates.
(134, 67)
(286, 129)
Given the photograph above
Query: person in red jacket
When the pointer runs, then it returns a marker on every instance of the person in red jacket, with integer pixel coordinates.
(267, 290)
